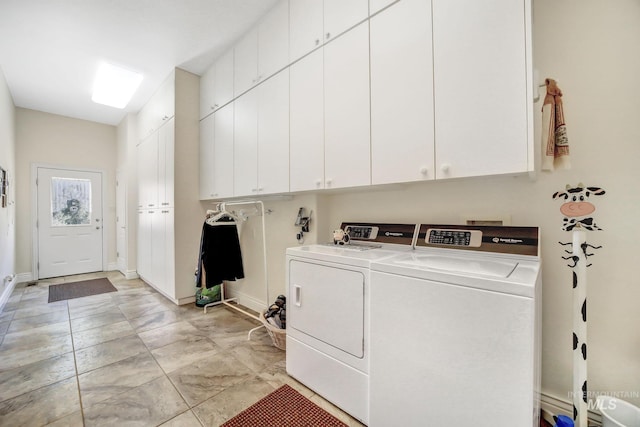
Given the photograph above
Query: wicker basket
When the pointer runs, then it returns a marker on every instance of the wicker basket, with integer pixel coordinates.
(278, 336)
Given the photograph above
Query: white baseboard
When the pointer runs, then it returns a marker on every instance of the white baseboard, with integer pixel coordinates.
(24, 277)
(553, 405)
(8, 290)
(246, 300)
(112, 266)
(130, 274)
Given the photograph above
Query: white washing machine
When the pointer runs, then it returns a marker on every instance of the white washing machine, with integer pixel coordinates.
(455, 330)
(328, 311)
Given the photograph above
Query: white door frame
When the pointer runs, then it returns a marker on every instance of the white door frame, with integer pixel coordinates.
(34, 214)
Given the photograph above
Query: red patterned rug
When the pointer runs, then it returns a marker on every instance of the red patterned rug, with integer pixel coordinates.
(284, 407)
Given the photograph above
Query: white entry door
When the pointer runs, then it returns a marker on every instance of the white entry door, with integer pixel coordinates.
(70, 228)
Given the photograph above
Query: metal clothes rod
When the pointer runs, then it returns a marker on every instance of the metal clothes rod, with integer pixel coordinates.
(222, 206)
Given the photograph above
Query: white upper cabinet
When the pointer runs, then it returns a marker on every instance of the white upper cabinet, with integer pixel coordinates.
(223, 152)
(273, 41)
(261, 139)
(263, 50)
(156, 168)
(245, 144)
(160, 108)
(216, 85)
(216, 154)
(305, 27)
(314, 22)
(206, 157)
(307, 123)
(245, 63)
(147, 159)
(402, 134)
(340, 15)
(166, 168)
(273, 134)
(376, 5)
(481, 69)
(347, 120)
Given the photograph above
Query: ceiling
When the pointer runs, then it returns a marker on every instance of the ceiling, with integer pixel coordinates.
(50, 49)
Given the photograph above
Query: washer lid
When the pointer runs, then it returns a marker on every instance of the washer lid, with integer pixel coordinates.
(516, 275)
(483, 267)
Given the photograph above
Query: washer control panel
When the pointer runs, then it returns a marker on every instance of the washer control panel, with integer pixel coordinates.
(452, 237)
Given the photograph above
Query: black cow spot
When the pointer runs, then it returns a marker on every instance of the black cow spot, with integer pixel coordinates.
(584, 351)
(575, 413)
(584, 391)
(575, 280)
(575, 341)
(584, 310)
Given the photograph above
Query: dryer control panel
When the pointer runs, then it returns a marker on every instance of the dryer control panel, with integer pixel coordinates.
(362, 232)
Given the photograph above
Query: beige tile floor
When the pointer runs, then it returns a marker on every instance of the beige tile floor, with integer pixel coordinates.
(131, 358)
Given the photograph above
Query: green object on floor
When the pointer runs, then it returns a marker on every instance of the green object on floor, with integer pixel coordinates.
(207, 295)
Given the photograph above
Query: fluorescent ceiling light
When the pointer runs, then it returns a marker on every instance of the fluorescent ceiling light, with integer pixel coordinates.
(114, 86)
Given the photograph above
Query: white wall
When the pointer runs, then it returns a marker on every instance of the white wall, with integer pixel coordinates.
(8, 214)
(590, 47)
(50, 139)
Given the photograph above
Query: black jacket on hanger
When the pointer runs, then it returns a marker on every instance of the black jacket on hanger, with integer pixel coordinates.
(219, 254)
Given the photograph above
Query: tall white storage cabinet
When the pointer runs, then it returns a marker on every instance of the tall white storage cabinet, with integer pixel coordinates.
(482, 81)
(168, 208)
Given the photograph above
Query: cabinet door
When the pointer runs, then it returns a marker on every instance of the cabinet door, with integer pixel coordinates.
(166, 143)
(245, 143)
(223, 152)
(305, 27)
(148, 172)
(402, 94)
(168, 219)
(245, 59)
(273, 134)
(144, 244)
(480, 83)
(206, 158)
(376, 5)
(207, 91)
(223, 85)
(340, 15)
(347, 120)
(273, 41)
(307, 123)
(157, 250)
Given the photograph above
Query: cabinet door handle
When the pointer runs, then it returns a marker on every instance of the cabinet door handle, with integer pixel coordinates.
(328, 36)
(445, 167)
(317, 42)
(328, 182)
(424, 170)
(298, 295)
(318, 182)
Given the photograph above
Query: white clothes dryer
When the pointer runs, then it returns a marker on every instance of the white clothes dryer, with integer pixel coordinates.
(455, 330)
(328, 311)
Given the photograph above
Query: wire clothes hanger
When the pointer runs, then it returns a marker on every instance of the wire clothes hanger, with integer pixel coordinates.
(214, 217)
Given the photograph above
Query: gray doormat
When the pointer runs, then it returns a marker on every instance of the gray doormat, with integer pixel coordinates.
(84, 288)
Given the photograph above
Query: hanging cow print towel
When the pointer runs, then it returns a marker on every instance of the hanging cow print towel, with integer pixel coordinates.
(555, 144)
